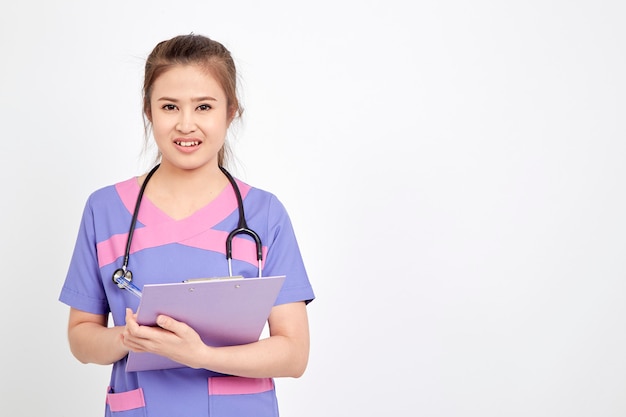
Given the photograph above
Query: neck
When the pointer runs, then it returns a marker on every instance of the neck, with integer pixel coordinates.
(180, 192)
(180, 182)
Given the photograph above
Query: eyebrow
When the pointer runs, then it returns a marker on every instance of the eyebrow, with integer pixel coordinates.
(196, 99)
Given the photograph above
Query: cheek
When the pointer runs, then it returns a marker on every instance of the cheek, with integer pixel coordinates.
(160, 136)
(159, 126)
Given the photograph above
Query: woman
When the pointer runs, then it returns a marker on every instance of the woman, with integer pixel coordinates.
(187, 209)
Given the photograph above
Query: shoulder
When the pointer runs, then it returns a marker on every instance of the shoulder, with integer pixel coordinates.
(113, 193)
(260, 197)
(265, 209)
(107, 211)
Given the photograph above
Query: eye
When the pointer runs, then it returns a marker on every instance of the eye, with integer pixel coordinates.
(169, 107)
(204, 107)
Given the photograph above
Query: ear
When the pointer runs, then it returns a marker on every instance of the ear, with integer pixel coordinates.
(147, 110)
(232, 113)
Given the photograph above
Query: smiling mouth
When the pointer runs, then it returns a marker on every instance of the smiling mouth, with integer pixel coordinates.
(187, 143)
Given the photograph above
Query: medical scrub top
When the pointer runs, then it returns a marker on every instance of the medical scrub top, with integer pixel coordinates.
(166, 250)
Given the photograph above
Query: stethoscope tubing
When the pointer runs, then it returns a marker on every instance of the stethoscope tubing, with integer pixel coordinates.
(242, 228)
(123, 276)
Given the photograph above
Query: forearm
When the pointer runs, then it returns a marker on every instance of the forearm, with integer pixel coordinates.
(284, 354)
(94, 343)
(277, 356)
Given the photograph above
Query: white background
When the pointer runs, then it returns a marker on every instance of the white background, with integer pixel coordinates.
(454, 171)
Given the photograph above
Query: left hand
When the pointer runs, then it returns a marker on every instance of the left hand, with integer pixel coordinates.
(172, 339)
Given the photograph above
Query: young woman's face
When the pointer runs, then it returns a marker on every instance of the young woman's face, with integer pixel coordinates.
(190, 117)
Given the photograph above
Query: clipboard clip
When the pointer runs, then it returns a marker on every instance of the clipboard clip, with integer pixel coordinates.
(212, 279)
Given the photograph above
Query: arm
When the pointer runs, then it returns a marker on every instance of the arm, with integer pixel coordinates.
(284, 354)
(91, 341)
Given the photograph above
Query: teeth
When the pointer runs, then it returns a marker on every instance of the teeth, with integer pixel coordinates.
(192, 143)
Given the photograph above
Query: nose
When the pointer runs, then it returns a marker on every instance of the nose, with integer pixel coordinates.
(186, 123)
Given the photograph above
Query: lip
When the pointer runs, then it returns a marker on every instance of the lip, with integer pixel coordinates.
(187, 145)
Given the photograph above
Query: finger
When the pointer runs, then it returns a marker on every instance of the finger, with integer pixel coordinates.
(168, 323)
(133, 346)
(135, 341)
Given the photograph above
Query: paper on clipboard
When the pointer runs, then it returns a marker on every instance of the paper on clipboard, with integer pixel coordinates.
(224, 312)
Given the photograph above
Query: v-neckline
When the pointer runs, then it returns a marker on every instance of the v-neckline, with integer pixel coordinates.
(156, 228)
(149, 208)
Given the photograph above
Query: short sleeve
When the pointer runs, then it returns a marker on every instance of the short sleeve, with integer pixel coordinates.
(284, 257)
(83, 287)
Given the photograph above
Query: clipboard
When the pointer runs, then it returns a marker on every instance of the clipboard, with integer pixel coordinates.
(224, 311)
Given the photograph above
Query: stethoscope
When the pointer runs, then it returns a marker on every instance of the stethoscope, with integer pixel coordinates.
(123, 276)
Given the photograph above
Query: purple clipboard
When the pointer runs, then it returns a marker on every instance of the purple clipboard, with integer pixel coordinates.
(224, 312)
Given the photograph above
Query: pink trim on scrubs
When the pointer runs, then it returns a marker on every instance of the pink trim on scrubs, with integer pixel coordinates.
(195, 230)
(234, 385)
(125, 401)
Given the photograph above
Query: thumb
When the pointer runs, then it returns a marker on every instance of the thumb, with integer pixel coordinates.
(130, 316)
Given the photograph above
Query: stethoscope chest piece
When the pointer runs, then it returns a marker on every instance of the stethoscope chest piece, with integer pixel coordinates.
(121, 273)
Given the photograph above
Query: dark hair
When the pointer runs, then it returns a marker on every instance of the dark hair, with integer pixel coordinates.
(193, 50)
